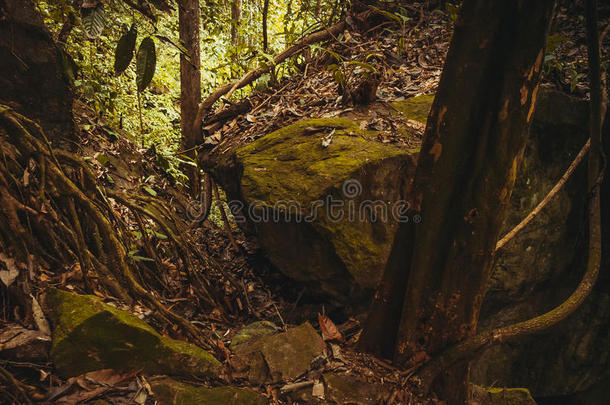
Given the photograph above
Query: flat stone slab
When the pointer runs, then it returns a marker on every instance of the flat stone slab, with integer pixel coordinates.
(280, 357)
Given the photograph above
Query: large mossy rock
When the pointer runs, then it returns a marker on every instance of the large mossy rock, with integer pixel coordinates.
(169, 392)
(90, 335)
(324, 215)
(280, 357)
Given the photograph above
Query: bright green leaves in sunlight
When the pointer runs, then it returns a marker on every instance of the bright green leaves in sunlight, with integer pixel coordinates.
(125, 49)
(146, 62)
(94, 18)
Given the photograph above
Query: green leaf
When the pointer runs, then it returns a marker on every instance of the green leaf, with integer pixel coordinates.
(146, 63)
(553, 42)
(366, 66)
(178, 46)
(150, 191)
(137, 258)
(157, 234)
(453, 11)
(93, 20)
(124, 50)
(387, 14)
(70, 68)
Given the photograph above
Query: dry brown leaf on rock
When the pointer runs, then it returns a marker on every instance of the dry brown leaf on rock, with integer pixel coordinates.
(329, 330)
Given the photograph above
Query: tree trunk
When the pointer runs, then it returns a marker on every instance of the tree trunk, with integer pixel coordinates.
(190, 80)
(235, 17)
(473, 145)
(31, 79)
(265, 33)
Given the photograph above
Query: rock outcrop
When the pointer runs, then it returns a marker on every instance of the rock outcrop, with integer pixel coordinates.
(542, 265)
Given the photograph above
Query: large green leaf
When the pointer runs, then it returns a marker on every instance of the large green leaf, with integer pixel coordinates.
(146, 62)
(94, 20)
(124, 50)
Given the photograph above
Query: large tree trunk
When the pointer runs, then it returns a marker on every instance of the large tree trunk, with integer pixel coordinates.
(190, 80)
(473, 146)
(31, 79)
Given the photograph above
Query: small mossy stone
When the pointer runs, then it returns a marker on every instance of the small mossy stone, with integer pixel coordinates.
(415, 108)
(282, 356)
(169, 392)
(91, 335)
(501, 396)
(349, 389)
(253, 331)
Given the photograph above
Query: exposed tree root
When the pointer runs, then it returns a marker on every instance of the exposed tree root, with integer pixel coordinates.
(556, 188)
(54, 209)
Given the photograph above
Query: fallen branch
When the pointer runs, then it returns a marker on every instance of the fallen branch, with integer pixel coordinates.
(249, 77)
(506, 238)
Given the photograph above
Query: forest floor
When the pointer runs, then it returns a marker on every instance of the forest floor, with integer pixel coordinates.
(407, 61)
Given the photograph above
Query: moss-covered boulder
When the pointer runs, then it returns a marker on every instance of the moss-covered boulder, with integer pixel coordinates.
(324, 196)
(501, 396)
(279, 357)
(169, 392)
(90, 335)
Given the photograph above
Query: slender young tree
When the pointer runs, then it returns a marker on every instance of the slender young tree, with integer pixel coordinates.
(190, 80)
(235, 19)
(434, 283)
(265, 33)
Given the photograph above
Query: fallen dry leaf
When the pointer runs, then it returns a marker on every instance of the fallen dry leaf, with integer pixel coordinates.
(330, 332)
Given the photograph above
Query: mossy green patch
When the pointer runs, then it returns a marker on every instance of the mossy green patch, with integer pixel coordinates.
(415, 108)
(253, 331)
(90, 335)
(502, 396)
(291, 163)
(169, 392)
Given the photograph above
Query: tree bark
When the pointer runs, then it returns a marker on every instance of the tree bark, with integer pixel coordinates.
(190, 80)
(31, 79)
(265, 34)
(235, 18)
(473, 145)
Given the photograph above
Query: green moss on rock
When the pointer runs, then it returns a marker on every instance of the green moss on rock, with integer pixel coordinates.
(253, 331)
(90, 335)
(415, 108)
(169, 392)
(291, 163)
(502, 396)
(288, 182)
